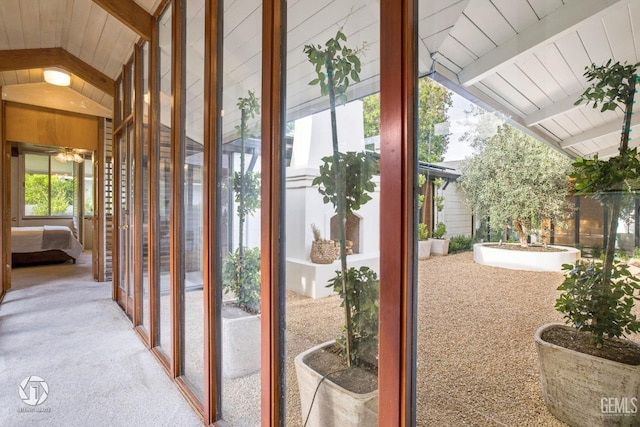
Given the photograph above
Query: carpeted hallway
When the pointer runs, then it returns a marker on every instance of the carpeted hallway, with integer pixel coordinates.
(58, 324)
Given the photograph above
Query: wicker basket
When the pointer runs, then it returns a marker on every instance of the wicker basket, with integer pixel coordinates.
(323, 251)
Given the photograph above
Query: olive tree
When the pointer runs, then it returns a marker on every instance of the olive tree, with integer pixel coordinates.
(514, 177)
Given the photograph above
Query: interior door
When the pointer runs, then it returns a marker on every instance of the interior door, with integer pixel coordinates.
(125, 220)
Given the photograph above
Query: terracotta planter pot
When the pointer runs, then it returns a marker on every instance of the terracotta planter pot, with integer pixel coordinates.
(584, 390)
(333, 405)
(240, 342)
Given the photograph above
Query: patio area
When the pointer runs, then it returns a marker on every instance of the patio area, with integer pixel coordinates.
(477, 363)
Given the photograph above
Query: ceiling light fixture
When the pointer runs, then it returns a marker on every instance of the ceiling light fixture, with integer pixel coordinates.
(57, 77)
(69, 155)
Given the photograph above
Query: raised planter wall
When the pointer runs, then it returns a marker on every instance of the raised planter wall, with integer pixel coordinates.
(240, 342)
(524, 260)
(310, 280)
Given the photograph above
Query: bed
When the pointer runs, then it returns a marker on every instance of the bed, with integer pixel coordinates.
(43, 245)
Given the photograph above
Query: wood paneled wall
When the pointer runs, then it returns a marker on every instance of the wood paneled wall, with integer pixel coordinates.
(43, 126)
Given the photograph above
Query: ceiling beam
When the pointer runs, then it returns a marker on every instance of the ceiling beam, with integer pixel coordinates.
(550, 28)
(552, 110)
(23, 59)
(597, 132)
(130, 14)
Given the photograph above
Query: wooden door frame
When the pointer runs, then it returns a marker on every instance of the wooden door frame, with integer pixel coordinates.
(5, 204)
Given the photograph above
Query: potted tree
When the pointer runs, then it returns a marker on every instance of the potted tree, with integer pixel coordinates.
(241, 268)
(344, 182)
(439, 244)
(424, 244)
(590, 375)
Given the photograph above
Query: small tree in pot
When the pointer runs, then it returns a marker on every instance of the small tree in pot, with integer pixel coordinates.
(598, 297)
(241, 268)
(345, 181)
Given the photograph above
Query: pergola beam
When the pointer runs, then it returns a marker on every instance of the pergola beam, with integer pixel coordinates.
(597, 132)
(23, 59)
(130, 14)
(550, 111)
(552, 27)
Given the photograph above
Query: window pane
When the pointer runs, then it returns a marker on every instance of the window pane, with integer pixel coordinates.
(36, 185)
(192, 206)
(144, 165)
(332, 213)
(164, 175)
(239, 224)
(88, 187)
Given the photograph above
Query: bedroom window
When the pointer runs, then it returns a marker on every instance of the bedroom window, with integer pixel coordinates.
(48, 186)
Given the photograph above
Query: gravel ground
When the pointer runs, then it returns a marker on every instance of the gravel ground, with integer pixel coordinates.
(477, 362)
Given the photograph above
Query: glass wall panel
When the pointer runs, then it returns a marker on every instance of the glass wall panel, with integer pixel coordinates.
(239, 214)
(192, 147)
(332, 212)
(163, 304)
(488, 179)
(145, 203)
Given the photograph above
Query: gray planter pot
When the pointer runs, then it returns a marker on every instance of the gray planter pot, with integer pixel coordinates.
(333, 405)
(584, 390)
(424, 249)
(240, 342)
(439, 247)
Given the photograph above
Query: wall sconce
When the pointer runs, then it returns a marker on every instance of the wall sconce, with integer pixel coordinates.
(57, 77)
(69, 155)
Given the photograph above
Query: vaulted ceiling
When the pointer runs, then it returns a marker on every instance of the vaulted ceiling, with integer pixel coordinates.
(524, 58)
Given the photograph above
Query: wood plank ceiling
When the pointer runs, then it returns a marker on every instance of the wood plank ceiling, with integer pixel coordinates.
(77, 35)
(522, 57)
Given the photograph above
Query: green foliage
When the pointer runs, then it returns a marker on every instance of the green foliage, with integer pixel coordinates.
(362, 288)
(596, 251)
(589, 305)
(422, 180)
(439, 231)
(249, 195)
(423, 231)
(344, 181)
(636, 252)
(335, 64)
(36, 194)
(241, 278)
(513, 177)
(358, 169)
(622, 256)
(241, 269)
(461, 243)
(600, 178)
(434, 100)
(371, 115)
(609, 85)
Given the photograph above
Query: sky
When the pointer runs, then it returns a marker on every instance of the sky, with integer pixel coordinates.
(457, 149)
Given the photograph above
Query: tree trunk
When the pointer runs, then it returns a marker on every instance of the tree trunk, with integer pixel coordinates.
(521, 229)
(340, 208)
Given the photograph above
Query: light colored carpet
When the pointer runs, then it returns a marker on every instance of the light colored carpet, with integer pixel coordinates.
(58, 324)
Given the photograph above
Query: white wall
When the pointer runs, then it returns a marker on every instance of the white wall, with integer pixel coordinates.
(455, 214)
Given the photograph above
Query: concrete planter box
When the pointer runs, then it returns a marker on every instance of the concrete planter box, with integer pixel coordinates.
(587, 391)
(240, 342)
(439, 247)
(333, 405)
(524, 260)
(424, 249)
